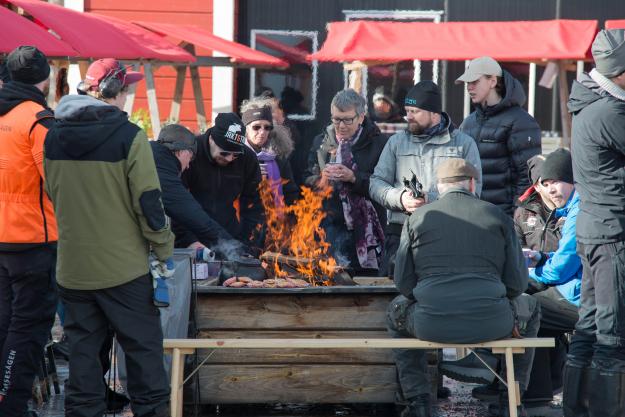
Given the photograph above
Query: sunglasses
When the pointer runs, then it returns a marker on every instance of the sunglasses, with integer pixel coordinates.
(226, 154)
(267, 128)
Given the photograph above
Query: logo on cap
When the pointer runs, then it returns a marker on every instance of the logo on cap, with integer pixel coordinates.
(233, 134)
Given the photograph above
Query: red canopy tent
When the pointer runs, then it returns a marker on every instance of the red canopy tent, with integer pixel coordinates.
(291, 53)
(615, 24)
(236, 53)
(17, 30)
(96, 36)
(504, 41)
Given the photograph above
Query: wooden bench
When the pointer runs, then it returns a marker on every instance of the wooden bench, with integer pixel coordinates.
(179, 348)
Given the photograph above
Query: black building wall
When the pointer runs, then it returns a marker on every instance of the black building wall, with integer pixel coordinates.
(313, 15)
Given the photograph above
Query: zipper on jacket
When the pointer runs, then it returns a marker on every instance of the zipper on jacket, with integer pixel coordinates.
(43, 212)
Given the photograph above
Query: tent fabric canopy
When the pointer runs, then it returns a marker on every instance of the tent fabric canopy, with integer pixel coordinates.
(505, 41)
(615, 24)
(202, 38)
(97, 36)
(17, 30)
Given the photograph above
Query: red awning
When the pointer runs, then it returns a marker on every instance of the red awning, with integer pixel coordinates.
(17, 30)
(96, 36)
(292, 54)
(504, 41)
(200, 37)
(615, 24)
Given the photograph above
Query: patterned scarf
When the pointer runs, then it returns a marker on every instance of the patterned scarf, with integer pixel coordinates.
(360, 215)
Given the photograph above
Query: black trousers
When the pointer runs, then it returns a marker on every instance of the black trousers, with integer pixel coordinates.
(129, 311)
(600, 332)
(391, 245)
(28, 300)
(558, 317)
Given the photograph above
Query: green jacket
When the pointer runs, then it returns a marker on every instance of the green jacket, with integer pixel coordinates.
(101, 177)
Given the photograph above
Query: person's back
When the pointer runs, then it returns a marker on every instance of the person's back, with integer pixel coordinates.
(460, 256)
(97, 164)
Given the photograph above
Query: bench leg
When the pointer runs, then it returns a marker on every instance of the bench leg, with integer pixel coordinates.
(513, 386)
(177, 375)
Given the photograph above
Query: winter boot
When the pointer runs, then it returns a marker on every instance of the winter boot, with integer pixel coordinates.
(607, 397)
(502, 409)
(419, 407)
(575, 390)
(470, 368)
(488, 393)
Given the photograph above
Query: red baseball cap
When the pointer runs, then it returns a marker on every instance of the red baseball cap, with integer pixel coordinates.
(106, 67)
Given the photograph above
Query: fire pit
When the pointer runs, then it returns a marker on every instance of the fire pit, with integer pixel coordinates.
(295, 376)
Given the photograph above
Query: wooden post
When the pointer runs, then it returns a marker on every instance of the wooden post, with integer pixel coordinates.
(176, 381)
(152, 102)
(199, 98)
(513, 388)
(52, 91)
(565, 117)
(174, 113)
(130, 98)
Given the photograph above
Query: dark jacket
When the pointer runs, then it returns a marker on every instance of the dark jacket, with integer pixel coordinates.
(101, 177)
(536, 226)
(598, 151)
(179, 204)
(507, 136)
(217, 188)
(461, 261)
(366, 152)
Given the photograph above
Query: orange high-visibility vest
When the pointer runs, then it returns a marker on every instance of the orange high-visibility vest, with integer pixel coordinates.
(26, 212)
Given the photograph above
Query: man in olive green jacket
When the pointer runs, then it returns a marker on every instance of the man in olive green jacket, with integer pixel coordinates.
(101, 177)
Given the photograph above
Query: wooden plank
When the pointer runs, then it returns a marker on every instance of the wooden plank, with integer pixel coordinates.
(294, 356)
(152, 101)
(375, 281)
(225, 384)
(174, 113)
(300, 311)
(349, 343)
(199, 99)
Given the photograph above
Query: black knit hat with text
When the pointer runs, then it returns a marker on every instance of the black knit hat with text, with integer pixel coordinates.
(425, 95)
(558, 166)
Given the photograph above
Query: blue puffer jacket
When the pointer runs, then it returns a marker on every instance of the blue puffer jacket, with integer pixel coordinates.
(563, 269)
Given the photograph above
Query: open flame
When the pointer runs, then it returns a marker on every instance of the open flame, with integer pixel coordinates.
(296, 231)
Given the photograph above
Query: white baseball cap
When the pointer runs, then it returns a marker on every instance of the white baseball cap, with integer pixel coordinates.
(484, 65)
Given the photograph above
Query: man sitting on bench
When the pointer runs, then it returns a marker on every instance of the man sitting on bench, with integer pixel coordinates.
(461, 274)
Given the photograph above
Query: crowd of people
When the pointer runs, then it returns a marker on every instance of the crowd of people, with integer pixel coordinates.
(484, 237)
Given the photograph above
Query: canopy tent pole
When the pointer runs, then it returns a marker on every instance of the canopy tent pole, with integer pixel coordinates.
(435, 64)
(531, 95)
(132, 88)
(152, 101)
(580, 69)
(467, 99)
(199, 98)
(174, 113)
(51, 99)
(417, 70)
(565, 117)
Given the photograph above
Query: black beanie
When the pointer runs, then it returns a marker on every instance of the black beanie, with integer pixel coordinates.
(28, 65)
(228, 132)
(425, 95)
(558, 166)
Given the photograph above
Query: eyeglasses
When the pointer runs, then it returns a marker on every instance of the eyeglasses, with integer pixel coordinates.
(267, 128)
(348, 121)
(226, 154)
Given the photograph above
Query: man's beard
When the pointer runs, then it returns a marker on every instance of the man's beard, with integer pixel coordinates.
(415, 128)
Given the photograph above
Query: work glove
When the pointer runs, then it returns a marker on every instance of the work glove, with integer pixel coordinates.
(160, 272)
(204, 254)
(162, 269)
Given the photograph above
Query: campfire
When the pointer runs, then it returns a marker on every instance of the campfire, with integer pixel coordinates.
(295, 242)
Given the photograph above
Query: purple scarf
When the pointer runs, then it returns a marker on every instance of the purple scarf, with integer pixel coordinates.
(360, 216)
(273, 175)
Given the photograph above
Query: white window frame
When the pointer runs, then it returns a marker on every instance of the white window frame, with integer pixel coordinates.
(433, 15)
(314, 35)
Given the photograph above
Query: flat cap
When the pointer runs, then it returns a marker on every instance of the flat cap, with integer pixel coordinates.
(454, 170)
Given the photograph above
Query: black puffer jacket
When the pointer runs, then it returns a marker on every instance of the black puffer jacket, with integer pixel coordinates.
(180, 205)
(507, 136)
(536, 227)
